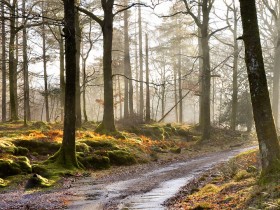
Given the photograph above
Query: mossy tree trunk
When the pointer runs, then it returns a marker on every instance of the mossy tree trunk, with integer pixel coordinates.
(265, 127)
(66, 156)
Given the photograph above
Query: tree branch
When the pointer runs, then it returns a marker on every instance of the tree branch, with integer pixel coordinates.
(220, 29)
(91, 15)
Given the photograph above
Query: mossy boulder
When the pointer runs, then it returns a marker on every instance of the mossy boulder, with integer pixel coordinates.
(41, 170)
(95, 161)
(24, 164)
(22, 151)
(8, 168)
(120, 157)
(37, 181)
(7, 147)
(42, 147)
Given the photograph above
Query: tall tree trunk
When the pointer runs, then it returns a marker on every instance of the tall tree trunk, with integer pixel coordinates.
(200, 62)
(141, 103)
(265, 127)
(206, 79)
(276, 76)
(127, 65)
(108, 122)
(66, 156)
(136, 73)
(148, 107)
(46, 92)
(4, 69)
(12, 63)
(61, 76)
(235, 70)
(25, 72)
(175, 94)
(78, 55)
(180, 91)
(84, 91)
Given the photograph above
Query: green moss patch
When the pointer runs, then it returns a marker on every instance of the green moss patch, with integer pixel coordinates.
(24, 164)
(108, 145)
(8, 168)
(3, 183)
(120, 157)
(42, 147)
(95, 161)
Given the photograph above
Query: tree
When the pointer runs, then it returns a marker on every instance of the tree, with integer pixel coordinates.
(203, 25)
(4, 73)
(27, 114)
(141, 77)
(46, 92)
(106, 24)
(233, 30)
(128, 95)
(265, 127)
(148, 108)
(78, 55)
(66, 156)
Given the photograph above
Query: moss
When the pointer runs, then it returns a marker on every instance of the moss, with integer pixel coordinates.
(41, 170)
(7, 147)
(209, 188)
(82, 147)
(24, 164)
(37, 181)
(3, 183)
(120, 157)
(40, 125)
(100, 144)
(176, 150)
(95, 161)
(22, 151)
(9, 168)
(202, 206)
(39, 146)
(241, 175)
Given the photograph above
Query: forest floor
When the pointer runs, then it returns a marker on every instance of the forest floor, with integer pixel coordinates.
(133, 150)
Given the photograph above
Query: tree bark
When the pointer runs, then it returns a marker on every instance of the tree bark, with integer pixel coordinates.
(127, 65)
(25, 71)
(66, 156)
(180, 91)
(265, 127)
(141, 93)
(4, 69)
(108, 123)
(206, 79)
(12, 63)
(276, 77)
(46, 92)
(148, 107)
(78, 55)
(61, 75)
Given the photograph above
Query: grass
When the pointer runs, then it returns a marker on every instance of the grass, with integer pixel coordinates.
(26, 148)
(236, 186)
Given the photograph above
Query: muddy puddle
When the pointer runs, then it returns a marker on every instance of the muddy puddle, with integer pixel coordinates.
(145, 190)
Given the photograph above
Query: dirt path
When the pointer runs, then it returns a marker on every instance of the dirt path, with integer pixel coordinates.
(141, 187)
